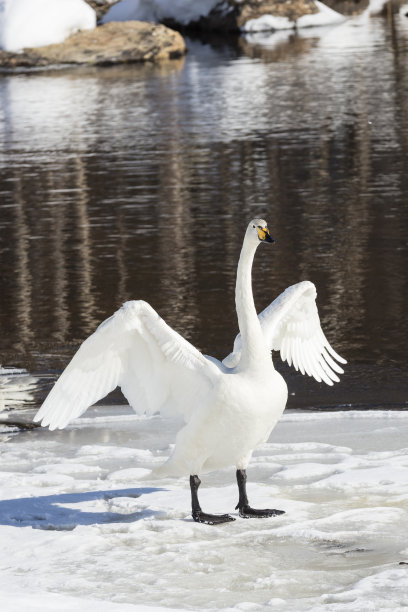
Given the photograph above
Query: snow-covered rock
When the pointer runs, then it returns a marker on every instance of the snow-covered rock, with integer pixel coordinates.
(325, 16)
(227, 15)
(35, 23)
(182, 12)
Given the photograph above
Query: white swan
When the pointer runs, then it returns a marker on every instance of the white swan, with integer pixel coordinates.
(229, 407)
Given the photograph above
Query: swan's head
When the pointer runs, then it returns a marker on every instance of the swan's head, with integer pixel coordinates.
(258, 229)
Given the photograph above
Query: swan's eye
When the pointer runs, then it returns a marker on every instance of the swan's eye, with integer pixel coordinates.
(253, 226)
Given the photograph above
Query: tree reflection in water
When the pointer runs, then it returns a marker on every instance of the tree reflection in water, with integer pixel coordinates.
(138, 181)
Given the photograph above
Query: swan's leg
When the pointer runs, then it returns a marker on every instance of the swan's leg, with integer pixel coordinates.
(243, 506)
(198, 515)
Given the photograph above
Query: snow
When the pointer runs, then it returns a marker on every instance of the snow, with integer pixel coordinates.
(85, 526)
(186, 11)
(34, 23)
(16, 388)
(268, 23)
(325, 16)
(183, 11)
(354, 34)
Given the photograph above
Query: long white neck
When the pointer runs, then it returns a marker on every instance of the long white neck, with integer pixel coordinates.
(253, 345)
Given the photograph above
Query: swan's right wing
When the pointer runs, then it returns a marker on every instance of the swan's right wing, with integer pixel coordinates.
(155, 367)
(291, 325)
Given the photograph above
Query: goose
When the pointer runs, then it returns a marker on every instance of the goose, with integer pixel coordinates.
(229, 407)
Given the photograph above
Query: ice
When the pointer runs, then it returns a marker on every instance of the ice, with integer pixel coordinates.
(33, 23)
(54, 603)
(84, 524)
(16, 388)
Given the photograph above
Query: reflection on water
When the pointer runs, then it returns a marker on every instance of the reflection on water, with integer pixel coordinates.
(138, 182)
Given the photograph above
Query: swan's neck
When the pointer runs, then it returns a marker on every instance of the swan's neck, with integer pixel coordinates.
(253, 345)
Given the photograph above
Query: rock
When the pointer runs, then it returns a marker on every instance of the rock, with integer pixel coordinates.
(232, 15)
(348, 7)
(112, 43)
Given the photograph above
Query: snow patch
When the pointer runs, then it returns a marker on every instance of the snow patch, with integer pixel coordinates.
(128, 474)
(69, 535)
(268, 23)
(182, 11)
(34, 23)
(325, 16)
(186, 11)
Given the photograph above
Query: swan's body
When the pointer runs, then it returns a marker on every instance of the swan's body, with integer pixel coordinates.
(229, 407)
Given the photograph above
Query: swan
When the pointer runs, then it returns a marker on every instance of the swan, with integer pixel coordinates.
(229, 407)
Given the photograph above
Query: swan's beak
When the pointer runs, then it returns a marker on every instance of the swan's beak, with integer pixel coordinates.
(264, 235)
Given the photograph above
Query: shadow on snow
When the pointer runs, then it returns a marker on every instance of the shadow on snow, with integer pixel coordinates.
(51, 511)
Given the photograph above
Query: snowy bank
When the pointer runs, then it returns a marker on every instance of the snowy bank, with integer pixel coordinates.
(84, 527)
(323, 17)
(227, 15)
(181, 11)
(35, 23)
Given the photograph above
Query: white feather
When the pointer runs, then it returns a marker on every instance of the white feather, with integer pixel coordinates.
(136, 350)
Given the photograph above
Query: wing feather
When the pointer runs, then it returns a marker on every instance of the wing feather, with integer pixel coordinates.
(154, 366)
(334, 366)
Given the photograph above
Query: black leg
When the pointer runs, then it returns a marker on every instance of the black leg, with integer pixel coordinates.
(243, 506)
(198, 515)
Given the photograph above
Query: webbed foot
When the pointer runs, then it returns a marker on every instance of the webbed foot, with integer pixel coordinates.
(248, 512)
(211, 519)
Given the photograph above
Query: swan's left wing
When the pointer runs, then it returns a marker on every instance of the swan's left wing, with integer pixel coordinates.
(291, 325)
(156, 368)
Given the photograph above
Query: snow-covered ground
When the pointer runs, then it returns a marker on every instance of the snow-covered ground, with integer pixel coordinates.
(83, 526)
(33, 23)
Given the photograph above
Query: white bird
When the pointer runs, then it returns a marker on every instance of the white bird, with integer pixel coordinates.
(229, 407)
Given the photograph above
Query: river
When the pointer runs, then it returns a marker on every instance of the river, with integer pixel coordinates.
(138, 181)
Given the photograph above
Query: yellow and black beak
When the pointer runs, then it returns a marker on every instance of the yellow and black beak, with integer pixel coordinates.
(263, 234)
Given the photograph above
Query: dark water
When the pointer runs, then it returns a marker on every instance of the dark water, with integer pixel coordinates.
(139, 181)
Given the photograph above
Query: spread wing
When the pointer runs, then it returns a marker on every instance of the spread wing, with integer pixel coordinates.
(291, 325)
(155, 367)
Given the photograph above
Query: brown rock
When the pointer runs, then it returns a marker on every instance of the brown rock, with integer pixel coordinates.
(112, 43)
(292, 9)
(348, 7)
